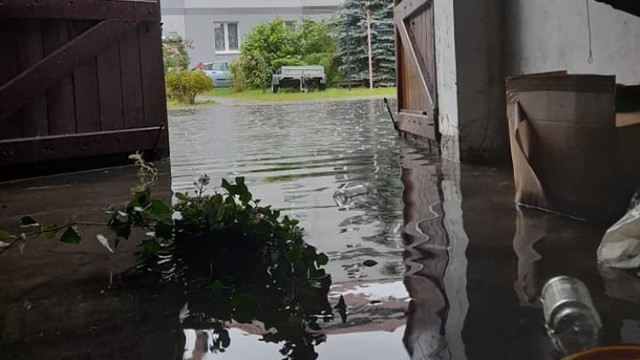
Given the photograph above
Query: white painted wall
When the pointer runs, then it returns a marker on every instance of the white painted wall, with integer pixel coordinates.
(199, 29)
(446, 76)
(546, 35)
(173, 24)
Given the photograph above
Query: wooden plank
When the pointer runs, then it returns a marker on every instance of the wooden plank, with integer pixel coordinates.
(30, 150)
(85, 82)
(110, 88)
(417, 124)
(153, 87)
(35, 120)
(61, 62)
(8, 70)
(81, 10)
(417, 61)
(60, 103)
(414, 94)
(408, 8)
(131, 75)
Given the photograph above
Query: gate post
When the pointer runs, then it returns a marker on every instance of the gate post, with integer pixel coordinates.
(470, 71)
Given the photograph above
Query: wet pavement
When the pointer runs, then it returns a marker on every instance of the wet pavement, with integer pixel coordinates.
(459, 268)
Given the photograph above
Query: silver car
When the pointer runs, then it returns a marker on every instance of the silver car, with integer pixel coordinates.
(219, 72)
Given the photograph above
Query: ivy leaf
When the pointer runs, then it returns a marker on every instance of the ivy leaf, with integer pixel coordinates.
(141, 198)
(121, 229)
(4, 235)
(104, 241)
(242, 302)
(163, 230)
(369, 263)
(180, 196)
(217, 287)
(227, 186)
(50, 231)
(322, 259)
(159, 208)
(70, 235)
(150, 248)
(28, 221)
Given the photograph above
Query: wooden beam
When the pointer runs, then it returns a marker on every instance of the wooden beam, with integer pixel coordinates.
(417, 124)
(416, 59)
(30, 150)
(81, 10)
(408, 8)
(16, 93)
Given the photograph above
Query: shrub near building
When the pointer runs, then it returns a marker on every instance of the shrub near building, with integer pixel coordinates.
(273, 44)
(185, 85)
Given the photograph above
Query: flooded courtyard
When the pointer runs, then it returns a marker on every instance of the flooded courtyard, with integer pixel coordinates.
(458, 268)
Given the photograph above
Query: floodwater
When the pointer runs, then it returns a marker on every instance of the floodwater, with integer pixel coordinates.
(458, 274)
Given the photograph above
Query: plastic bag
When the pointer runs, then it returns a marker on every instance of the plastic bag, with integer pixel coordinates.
(620, 246)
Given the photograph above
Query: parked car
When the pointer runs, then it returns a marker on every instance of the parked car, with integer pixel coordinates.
(218, 71)
(302, 77)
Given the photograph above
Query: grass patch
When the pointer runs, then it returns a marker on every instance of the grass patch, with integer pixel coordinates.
(174, 104)
(296, 95)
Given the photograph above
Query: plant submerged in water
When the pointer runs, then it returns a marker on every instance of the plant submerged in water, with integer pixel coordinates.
(243, 263)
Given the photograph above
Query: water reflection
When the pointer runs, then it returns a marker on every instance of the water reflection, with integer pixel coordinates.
(295, 157)
(435, 243)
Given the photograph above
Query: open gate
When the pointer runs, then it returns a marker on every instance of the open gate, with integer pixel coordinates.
(416, 68)
(79, 79)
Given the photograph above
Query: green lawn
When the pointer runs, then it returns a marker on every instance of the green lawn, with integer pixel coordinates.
(293, 95)
(174, 104)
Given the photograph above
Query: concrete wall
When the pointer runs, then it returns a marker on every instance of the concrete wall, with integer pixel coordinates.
(480, 42)
(470, 77)
(545, 35)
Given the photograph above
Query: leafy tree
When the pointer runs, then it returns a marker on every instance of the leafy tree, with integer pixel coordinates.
(319, 48)
(273, 44)
(174, 53)
(268, 46)
(352, 41)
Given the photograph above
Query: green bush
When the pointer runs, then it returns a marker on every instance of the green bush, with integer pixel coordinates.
(237, 76)
(271, 45)
(185, 85)
(174, 53)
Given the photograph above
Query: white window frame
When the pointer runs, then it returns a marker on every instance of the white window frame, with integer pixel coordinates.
(225, 30)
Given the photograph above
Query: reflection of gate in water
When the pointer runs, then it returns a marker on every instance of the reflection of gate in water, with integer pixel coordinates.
(435, 244)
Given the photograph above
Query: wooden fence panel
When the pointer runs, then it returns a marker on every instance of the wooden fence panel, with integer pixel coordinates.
(80, 79)
(110, 89)
(35, 119)
(9, 69)
(87, 97)
(131, 80)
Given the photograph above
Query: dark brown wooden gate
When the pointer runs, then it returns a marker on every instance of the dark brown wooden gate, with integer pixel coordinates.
(416, 68)
(80, 78)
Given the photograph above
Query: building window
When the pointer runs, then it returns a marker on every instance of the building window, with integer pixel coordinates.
(226, 37)
(291, 24)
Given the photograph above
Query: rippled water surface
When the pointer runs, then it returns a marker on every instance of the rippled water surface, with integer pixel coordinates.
(459, 269)
(295, 157)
